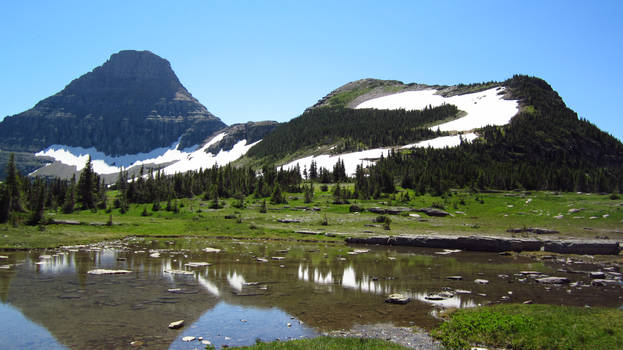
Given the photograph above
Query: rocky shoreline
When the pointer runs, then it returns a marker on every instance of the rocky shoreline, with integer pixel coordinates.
(495, 244)
(405, 336)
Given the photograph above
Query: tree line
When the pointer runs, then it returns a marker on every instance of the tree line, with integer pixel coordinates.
(351, 130)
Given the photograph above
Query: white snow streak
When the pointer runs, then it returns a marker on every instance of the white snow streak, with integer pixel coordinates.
(369, 157)
(482, 108)
(183, 160)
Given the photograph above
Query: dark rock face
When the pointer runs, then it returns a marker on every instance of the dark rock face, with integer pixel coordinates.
(251, 132)
(132, 103)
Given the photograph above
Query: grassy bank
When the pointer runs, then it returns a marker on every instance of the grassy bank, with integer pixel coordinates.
(533, 327)
(327, 343)
(471, 214)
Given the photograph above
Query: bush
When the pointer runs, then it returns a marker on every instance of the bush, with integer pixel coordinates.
(381, 219)
(615, 196)
(324, 188)
(325, 221)
(355, 209)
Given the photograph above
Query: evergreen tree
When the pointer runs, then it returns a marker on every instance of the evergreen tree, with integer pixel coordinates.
(313, 171)
(5, 207)
(39, 206)
(277, 197)
(86, 186)
(14, 187)
(70, 202)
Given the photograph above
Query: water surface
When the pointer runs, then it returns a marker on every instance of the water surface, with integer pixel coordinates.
(253, 291)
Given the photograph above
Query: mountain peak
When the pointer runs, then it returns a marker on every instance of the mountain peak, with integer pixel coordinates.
(133, 103)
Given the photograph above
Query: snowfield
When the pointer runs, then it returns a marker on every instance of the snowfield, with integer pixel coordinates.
(182, 159)
(369, 157)
(482, 108)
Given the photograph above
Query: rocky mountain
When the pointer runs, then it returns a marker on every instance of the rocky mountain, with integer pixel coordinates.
(131, 104)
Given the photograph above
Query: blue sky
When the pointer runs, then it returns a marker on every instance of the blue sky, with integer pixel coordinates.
(259, 60)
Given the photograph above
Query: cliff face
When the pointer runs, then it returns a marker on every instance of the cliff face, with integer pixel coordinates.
(132, 103)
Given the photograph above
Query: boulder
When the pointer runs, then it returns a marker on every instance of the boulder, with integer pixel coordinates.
(603, 282)
(176, 324)
(397, 299)
(600, 247)
(107, 272)
(434, 212)
(553, 280)
(596, 274)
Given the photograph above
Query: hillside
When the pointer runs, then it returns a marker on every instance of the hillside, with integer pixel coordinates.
(512, 134)
(546, 146)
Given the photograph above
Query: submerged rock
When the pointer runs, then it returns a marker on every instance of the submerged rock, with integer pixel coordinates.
(597, 274)
(553, 280)
(481, 281)
(603, 282)
(179, 272)
(397, 298)
(107, 272)
(197, 264)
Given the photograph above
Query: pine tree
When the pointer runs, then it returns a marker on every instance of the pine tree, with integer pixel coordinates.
(313, 171)
(277, 197)
(70, 202)
(86, 186)
(39, 206)
(14, 187)
(5, 206)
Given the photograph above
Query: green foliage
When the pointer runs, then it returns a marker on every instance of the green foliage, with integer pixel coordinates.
(325, 220)
(533, 327)
(386, 223)
(86, 186)
(277, 197)
(69, 203)
(350, 129)
(327, 343)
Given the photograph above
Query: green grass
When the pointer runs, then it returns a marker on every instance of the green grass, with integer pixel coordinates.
(533, 327)
(473, 214)
(327, 343)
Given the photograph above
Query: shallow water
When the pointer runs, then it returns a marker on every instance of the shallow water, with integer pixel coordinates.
(302, 290)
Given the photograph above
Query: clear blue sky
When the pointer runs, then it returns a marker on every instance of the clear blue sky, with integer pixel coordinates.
(259, 60)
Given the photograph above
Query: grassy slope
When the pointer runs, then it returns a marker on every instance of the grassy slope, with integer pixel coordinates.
(490, 214)
(534, 327)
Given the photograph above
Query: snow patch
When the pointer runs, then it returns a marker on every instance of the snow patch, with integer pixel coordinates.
(182, 160)
(483, 108)
(369, 157)
(443, 141)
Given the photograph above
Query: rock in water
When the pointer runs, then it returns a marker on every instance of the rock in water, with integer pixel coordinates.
(176, 324)
(553, 280)
(107, 272)
(397, 299)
